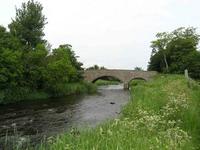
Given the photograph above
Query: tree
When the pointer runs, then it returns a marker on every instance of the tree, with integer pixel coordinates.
(138, 69)
(73, 58)
(193, 64)
(28, 24)
(26, 65)
(62, 68)
(176, 51)
(34, 65)
(7, 40)
(96, 67)
(11, 69)
(179, 50)
(160, 44)
(102, 68)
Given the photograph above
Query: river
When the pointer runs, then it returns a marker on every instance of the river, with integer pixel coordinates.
(31, 121)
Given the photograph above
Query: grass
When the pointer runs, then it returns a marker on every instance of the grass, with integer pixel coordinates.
(162, 114)
(106, 82)
(21, 94)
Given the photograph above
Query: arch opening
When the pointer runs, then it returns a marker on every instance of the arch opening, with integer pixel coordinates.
(136, 81)
(107, 80)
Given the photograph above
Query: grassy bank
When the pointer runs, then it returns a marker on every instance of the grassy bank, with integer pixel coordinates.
(106, 82)
(162, 114)
(26, 94)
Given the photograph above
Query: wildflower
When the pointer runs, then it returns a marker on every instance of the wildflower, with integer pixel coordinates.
(67, 147)
(101, 130)
(109, 132)
(117, 121)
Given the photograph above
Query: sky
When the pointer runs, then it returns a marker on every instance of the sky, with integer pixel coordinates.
(113, 33)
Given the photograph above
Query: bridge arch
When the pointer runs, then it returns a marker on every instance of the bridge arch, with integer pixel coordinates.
(106, 77)
(139, 79)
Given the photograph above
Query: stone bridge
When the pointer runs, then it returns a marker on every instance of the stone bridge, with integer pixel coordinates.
(124, 76)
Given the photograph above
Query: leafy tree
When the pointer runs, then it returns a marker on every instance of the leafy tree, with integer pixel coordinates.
(10, 69)
(26, 64)
(160, 45)
(176, 51)
(74, 61)
(102, 68)
(193, 64)
(179, 49)
(29, 23)
(62, 68)
(34, 64)
(96, 67)
(7, 40)
(138, 69)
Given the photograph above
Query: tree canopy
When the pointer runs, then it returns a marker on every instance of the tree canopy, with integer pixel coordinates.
(28, 24)
(27, 64)
(95, 67)
(176, 51)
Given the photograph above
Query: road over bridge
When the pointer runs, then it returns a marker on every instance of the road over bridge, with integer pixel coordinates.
(124, 76)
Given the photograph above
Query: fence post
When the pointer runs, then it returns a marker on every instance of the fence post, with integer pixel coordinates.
(188, 78)
(186, 74)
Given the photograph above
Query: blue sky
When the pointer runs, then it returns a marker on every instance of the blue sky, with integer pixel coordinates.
(110, 33)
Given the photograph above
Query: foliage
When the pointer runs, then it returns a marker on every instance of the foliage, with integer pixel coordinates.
(28, 24)
(28, 69)
(135, 82)
(7, 40)
(176, 51)
(34, 63)
(95, 67)
(164, 115)
(62, 68)
(138, 69)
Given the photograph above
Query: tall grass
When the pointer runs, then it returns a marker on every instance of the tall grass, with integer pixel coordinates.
(20, 94)
(25, 93)
(162, 114)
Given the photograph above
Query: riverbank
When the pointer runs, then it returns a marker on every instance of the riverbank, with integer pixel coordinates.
(163, 114)
(26, 94)
(30, 122)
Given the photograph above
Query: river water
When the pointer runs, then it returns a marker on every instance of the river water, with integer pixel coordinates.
(34, 120)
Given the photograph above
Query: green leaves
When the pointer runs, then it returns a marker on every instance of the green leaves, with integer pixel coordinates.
(176, 51)
(29, 23)
(27, 65)
(62, 67)
(10, 68)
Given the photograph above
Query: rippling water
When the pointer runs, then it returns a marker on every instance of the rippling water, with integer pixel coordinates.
(53, 116)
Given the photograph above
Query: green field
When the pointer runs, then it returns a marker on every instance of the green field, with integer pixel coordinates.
(162, 114)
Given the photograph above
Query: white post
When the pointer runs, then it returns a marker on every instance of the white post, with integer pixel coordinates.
(186, 74)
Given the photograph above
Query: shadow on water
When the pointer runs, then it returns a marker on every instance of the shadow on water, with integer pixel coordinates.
(37, 119)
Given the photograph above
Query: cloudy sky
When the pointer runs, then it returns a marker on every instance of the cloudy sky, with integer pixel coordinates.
(110, 33)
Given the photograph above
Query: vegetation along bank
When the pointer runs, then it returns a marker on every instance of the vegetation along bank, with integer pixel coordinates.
(162, 114)
(29, 68)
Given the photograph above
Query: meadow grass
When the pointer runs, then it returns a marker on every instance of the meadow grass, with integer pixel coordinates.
(162, 114)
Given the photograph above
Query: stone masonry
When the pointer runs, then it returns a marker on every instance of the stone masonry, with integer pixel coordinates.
(123, 75)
